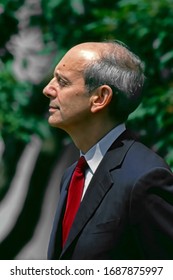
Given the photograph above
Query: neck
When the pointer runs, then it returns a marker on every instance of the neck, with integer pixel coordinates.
(86, 137)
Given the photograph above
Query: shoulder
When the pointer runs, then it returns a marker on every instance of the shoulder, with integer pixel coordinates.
(137, 161)
(135, 151)
(146, 156)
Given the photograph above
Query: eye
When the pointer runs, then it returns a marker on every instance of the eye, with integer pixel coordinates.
(61, 82)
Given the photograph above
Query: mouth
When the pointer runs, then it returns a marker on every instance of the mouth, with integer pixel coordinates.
(53, 108)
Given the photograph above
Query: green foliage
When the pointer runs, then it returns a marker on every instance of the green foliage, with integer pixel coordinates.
(14, 99)
(8, 22)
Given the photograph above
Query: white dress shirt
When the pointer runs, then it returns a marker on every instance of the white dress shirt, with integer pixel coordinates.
(97, 152)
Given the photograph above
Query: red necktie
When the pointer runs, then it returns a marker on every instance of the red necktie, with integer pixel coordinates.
(74, 197)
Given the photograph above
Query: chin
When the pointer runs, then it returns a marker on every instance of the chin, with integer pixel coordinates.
(54, 123)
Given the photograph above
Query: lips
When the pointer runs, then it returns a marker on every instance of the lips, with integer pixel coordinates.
(53, 108)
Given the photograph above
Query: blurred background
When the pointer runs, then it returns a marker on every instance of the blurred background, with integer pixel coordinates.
(34, 36)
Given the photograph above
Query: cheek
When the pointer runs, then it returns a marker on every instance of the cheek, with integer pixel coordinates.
(74, 102)
(79, 106)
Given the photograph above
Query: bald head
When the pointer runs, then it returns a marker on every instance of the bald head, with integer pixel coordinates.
(97, 50)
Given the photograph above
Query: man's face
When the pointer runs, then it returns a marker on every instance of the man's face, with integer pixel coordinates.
(70, 102)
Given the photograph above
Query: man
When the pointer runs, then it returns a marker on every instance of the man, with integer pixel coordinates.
(126, 207)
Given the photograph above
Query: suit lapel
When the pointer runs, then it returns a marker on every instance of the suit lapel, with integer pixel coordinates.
(94, 195)
(98, 187)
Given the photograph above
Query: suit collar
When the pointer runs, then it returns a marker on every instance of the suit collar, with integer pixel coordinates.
(97, 152)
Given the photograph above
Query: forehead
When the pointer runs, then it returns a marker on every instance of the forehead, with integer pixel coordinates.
(76, 59)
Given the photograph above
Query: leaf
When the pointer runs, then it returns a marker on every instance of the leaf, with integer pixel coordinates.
(166, 57)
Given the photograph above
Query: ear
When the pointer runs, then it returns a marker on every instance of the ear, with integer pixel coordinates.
(101, 98)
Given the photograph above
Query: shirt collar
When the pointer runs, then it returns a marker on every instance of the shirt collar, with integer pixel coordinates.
(97, 152)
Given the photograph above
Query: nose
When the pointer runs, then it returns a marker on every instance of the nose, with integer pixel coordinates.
(50, 90)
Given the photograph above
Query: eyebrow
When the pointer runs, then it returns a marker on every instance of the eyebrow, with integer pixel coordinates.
(58, 75)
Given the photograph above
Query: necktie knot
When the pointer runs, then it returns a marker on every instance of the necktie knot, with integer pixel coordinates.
(81, 165)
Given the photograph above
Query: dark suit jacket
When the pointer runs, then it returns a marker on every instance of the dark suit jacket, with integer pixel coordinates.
(127, 211)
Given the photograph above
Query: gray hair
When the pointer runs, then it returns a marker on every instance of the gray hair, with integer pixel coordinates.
(123, 71)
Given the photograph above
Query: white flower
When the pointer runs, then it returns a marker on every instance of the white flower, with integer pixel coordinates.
(30, 8)
(29, 62)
